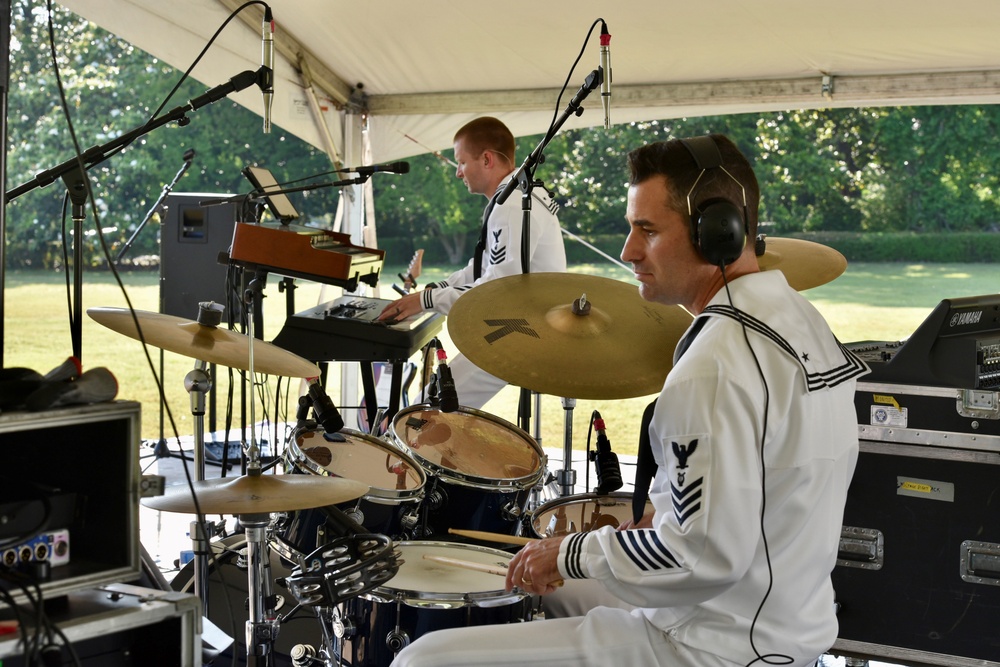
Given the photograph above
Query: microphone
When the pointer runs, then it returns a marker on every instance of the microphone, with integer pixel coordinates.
(266, 81)
(302, 412)
(390, 168)
(326, 412)
(606, 78)
(609, 472)
(449, 395)
(189, 155)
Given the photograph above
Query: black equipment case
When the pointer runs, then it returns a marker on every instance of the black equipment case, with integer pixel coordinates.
(918, 574)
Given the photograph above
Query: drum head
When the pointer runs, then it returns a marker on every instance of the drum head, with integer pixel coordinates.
(426, 583)
(469, 445)
(582, 513)
(392, 474)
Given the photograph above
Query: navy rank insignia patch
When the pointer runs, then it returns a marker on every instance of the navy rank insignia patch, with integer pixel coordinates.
(688, 480)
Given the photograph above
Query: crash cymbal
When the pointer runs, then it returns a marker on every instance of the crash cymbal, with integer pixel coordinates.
(524, 330)
(804, 263)
(255, 494)
(207, 343)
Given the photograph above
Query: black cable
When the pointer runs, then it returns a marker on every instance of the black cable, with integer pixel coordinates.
(586, 467)
(769, 658)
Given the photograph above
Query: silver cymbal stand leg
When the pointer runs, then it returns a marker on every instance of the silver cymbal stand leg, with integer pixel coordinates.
(567, 476)
(263, 622)
(535, 495)
(198, 383)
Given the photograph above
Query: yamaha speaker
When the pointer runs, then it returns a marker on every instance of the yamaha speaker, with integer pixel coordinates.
(191, 238)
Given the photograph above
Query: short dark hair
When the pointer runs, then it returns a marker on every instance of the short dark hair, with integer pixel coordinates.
(487, 133)
(673, 160)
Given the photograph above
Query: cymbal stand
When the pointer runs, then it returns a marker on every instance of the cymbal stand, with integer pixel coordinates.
(198, 383)
(263, 622)
(567, 476)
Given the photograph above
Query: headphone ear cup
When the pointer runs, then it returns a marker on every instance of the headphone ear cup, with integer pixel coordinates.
(720, 232)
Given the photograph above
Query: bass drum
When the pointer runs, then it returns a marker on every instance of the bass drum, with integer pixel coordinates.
(581, 514)
(228, 596)
(480, 468)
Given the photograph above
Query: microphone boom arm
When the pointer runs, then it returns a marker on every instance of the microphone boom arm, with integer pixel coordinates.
(97, 154)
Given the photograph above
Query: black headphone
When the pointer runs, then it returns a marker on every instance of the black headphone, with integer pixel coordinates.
(718, 226)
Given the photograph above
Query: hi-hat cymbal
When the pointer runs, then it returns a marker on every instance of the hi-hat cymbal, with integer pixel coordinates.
(524, 330)
(258, 494)
(206, 343)
(804, 263)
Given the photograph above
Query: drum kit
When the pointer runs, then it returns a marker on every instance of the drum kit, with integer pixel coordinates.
(381, 538)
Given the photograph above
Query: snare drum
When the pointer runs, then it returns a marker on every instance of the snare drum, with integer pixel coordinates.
(480, 467)
(581, 513)
(390, 506)
(426, 595)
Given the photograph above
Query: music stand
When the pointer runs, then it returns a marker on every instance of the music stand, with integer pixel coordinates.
(279, 204)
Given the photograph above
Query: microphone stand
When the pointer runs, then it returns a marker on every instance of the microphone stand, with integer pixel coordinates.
(72, 172)
(524, 178)
(257, 195)
(188, 157)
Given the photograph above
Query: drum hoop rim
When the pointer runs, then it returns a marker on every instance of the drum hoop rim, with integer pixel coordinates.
(295, 457)
(412, 598)
(466, 479)
(535, 514)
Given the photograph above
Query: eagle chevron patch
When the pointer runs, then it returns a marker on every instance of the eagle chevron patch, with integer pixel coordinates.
(688, 468)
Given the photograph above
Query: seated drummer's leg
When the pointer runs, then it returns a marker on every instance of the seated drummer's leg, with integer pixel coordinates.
(603, 637)
(578, 597)
(474, 385)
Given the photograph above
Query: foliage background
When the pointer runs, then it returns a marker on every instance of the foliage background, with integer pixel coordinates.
(903, 183)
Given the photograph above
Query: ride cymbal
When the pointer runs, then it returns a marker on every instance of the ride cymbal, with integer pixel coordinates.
(206, 343)
(256, 494)
(805, 264)
(531, 331)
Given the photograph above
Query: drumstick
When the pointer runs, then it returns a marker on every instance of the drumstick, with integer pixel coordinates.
(492, 537)
(500, 570)
(468, 565)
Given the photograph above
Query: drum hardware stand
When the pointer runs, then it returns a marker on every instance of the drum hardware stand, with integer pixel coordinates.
(198, 383)
(263, 622)
(567, 476)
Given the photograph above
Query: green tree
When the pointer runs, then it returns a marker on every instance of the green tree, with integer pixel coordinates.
(111, 87)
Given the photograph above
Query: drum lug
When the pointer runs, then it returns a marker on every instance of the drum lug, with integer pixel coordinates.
(356, 515)
(344, 627)
(510, 512)
(397, 640)
(409, 520)
(437, 499)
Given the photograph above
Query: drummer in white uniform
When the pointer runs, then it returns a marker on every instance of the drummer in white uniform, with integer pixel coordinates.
(754, 435)
(484, 151)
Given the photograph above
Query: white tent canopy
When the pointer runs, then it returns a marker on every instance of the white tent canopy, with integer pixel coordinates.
(412, 72)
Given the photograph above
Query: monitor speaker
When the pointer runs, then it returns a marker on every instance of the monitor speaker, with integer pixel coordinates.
(191, 238)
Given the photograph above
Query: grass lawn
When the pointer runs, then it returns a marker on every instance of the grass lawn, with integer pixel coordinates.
(881, 302)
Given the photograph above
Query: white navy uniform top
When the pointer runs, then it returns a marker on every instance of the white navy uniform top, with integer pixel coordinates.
(502, 254)
(700, 574)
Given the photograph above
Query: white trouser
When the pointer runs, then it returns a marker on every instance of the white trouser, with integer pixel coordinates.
(603, 637)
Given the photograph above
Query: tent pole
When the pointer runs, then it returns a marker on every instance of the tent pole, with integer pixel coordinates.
(4, 86)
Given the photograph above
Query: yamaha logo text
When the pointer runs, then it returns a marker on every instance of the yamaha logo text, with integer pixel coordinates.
(969, 317)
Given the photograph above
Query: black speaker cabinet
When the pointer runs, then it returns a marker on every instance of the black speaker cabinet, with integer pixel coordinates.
(191, 238)
(71, 473)
(918, 575)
